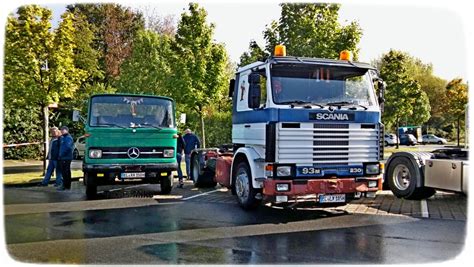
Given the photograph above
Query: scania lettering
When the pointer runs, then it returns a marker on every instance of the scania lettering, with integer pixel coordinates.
(129, 137)
(329, 116)
(303, 129)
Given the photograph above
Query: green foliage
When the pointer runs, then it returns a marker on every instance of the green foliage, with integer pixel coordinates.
(147, 69)
(403, 96)
(114, 28)
(20, 125)
(197, 64)
(218, 127)
(308, 30)
(255, 53)
(39, 63)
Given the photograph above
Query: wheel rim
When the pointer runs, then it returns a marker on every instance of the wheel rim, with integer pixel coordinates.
(401, 177)
(242, 185)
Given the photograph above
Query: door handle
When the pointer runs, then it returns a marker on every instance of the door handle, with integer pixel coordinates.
(247, 125)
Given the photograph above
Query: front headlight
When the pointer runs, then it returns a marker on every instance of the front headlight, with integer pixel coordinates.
(283, 171)
(168, 153)
(95, 153)
(372, 168)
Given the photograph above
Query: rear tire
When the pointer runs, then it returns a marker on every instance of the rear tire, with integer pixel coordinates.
(201, 178)
(402, 176)
(166, 184)
(91, 185)
(243, 187)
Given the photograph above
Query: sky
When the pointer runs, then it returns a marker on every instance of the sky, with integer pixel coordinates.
(434, 32)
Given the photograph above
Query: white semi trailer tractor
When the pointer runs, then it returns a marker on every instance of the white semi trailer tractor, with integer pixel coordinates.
(303, 129)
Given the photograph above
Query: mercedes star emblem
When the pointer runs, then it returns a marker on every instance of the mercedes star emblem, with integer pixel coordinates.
(133, 152)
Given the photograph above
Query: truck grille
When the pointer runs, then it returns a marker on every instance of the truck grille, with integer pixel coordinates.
(328, 144)
(122, 152)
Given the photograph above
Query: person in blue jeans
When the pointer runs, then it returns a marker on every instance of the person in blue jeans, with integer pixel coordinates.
(52, 157)
(66, 148)
(179, 155)
(191, 142)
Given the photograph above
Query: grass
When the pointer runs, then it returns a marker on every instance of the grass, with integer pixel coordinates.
(31, 177)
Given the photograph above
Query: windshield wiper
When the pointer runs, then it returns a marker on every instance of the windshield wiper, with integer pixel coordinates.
(346, 103)
(110, 124)
(305, 104)
(359, 105)
(151, 125)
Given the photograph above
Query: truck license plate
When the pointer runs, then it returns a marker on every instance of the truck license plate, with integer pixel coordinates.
(337, 198)
(133, 175)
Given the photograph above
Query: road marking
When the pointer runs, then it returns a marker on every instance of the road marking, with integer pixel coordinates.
(202, 194)
(424, 209)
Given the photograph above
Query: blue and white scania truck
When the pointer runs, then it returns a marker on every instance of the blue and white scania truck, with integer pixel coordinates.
(303, 129)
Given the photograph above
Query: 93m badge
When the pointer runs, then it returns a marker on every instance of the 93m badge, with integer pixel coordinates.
(310, 170)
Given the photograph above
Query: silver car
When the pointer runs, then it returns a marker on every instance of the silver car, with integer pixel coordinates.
(79, 147)
(433, 139)
(390, 139)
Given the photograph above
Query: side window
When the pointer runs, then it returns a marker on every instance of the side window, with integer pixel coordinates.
(263, 91)
(82, 140)
(242, 92)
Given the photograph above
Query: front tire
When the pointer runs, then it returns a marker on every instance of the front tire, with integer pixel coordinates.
(243, 187)
(166, 184)
(91, 185)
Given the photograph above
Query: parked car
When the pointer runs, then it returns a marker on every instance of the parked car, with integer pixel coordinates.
(390, 139)
(79, 147)
(408, 139)
(433, 139)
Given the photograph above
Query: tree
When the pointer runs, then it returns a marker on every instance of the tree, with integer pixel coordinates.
(39, 63)
(311, 30)
(198, 64)
(456, 94)
(114, 27)
(403, 97)
(146, 70)
(255, 53)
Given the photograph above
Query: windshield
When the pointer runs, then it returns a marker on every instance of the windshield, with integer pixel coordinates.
(131, 111)
(303, 83)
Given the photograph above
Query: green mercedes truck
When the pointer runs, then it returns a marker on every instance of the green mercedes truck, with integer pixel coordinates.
(129, 137)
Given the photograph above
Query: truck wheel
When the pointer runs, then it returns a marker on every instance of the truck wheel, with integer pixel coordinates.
(243, 187)
(91, 185)
(166, 184)
(402, 177)
(201, 178)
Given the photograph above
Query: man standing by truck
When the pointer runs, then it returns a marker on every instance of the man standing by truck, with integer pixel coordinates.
(65, 157)
(191, 142)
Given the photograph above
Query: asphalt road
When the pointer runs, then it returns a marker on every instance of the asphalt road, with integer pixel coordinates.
(134, 224)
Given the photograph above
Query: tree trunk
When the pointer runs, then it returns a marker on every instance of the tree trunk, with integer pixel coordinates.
(203, 131)
(45, 136)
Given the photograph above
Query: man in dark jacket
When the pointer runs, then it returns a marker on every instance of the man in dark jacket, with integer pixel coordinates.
(191, 142)
(53, 159)
(66, 148)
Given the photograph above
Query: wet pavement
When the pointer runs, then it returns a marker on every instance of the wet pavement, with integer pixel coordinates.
(132, 223)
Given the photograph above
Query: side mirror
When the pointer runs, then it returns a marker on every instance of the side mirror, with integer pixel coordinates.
(381, 85)
(76, 116)
(231, 88)
(254, 90)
